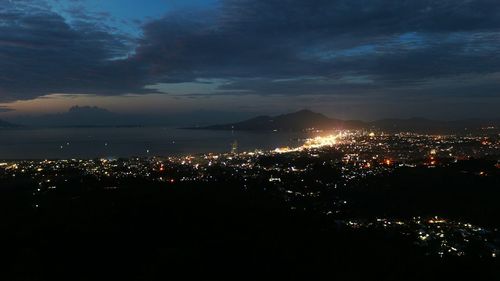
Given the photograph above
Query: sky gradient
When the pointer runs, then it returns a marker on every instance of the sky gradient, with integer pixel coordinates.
(349, 59)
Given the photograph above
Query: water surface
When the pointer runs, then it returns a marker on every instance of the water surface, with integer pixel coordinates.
(53, 143)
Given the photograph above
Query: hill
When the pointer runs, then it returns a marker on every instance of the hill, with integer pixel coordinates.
(296, 121)
(5, 124)
(308, 120)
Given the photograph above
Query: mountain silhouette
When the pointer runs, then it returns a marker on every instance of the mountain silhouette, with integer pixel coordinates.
(308, 120)
(5, 124)
(296, 121)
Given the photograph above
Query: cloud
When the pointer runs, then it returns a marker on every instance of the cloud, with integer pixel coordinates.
(41, 54)
(393, 44)
(292, 47)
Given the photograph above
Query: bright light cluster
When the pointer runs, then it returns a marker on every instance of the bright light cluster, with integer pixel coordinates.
(312, 143)
(319, 141)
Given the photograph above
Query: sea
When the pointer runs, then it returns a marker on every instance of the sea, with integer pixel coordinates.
(88, 143)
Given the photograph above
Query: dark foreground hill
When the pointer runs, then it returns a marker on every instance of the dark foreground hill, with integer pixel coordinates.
(151, 231)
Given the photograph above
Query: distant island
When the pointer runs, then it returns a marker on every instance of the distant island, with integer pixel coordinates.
(305, 120)
(5, 124)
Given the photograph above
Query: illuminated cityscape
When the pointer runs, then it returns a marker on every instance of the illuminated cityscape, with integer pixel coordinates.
(347, 160)
(249, 140)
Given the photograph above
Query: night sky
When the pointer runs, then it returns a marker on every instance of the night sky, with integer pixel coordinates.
(361, 59)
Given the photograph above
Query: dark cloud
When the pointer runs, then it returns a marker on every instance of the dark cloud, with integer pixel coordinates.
(286, 47)
(41, 54)
(362, 16)
(392, 41)
(344, 44)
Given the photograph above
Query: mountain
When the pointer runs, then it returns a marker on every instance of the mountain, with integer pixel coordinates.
(79, 116)
(424, 125)
(92, 116)
(5, 124)
(306, 120)
(297, 121)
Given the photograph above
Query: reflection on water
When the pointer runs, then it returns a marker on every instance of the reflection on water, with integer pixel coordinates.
(126, 142)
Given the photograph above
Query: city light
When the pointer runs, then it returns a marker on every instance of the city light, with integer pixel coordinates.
(312, 143)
